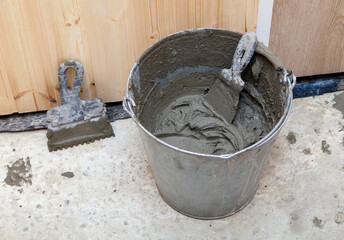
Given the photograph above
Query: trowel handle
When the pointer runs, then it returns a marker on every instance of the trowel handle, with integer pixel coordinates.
(244, 51)
(68, 96)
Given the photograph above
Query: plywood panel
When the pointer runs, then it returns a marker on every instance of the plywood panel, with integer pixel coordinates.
(308, 35)
(106, 36)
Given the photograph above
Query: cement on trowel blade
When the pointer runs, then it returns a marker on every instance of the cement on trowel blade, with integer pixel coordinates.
(223, 95)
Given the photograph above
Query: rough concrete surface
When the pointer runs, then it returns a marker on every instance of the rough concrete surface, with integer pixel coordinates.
(112, 194)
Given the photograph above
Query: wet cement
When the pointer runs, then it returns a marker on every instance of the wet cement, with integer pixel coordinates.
(191, 123)
(170, 93)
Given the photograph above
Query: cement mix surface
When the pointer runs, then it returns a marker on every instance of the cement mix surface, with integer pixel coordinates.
(105, 190)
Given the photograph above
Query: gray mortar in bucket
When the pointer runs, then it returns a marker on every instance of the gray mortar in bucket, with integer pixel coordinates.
(204, 166)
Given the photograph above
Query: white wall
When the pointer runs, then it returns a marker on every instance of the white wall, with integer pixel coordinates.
(264, 20)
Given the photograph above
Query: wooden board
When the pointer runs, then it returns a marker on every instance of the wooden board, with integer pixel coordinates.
(308, 35)
(106, 36)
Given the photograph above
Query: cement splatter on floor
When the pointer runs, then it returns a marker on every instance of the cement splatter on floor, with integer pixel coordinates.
(325, 147)
(19, 173)
(307, 151)
(339, 102)
(339, 218)
(318, 222)
(291, 138)
(68, 174)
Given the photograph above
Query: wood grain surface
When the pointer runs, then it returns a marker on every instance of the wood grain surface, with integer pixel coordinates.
(308, 35)
(106, 36)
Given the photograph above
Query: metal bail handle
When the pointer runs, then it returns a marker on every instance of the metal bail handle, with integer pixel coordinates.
(292, 80)
(68, 96)
(128, 105)
(289, 78)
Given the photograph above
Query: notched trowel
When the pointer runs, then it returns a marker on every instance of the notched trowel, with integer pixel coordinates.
(76, 121)
(223, 95)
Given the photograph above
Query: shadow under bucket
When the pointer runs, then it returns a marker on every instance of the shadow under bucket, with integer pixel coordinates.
(207, 172)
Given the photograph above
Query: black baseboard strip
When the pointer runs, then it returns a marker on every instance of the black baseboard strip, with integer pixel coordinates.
(33, 121)
(317, 85)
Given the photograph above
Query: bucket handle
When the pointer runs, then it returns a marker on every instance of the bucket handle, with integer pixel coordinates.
(291, 79)
(128, 104)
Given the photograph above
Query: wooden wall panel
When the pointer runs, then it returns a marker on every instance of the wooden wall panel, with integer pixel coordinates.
(308, 35)
(106, 36)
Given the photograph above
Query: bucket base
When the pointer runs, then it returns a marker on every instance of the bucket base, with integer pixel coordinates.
(204, 218)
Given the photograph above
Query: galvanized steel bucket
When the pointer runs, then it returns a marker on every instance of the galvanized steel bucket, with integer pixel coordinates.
(202, 185)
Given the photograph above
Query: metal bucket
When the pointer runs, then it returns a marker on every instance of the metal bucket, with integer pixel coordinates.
(198, 185)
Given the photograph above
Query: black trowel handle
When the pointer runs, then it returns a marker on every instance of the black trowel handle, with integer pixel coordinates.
(68, 96)
(244, 51)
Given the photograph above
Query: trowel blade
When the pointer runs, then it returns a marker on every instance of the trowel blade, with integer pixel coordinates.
(223, 99)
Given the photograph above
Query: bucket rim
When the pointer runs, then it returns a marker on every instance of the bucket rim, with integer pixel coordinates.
(288, 79)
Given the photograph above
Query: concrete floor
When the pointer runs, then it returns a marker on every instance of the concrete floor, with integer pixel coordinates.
(105, 190)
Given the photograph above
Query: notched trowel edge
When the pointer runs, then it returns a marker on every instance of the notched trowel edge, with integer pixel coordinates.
(83, 132)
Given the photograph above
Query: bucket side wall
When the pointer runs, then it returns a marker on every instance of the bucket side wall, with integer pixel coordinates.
(204, 187)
